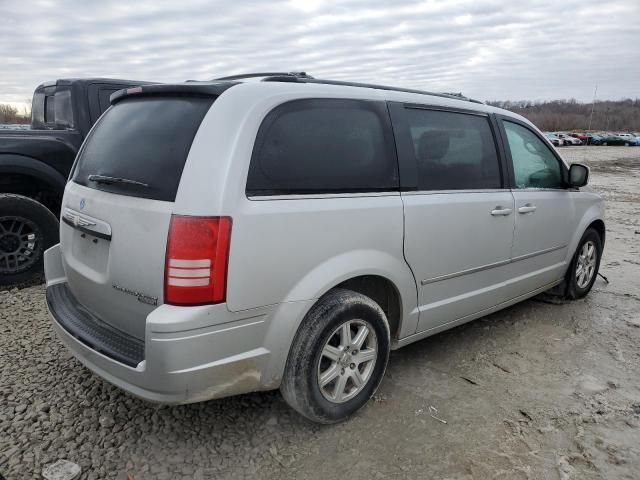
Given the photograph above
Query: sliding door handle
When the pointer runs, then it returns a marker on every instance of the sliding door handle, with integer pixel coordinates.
(501, 211)
(528, 208)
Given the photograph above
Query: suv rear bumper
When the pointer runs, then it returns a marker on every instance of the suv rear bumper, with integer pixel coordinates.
(189, 354)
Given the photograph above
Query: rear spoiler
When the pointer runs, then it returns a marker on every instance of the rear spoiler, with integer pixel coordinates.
(208, 89)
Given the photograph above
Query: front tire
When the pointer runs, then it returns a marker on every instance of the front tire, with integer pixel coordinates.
(338, 357)
(584, 267)
(27, 229)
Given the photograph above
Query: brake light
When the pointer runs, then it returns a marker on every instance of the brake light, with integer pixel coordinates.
(196, 261)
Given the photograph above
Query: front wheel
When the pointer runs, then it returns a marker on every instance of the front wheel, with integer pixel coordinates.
(584, 267)
(27, 229)
(338, 357)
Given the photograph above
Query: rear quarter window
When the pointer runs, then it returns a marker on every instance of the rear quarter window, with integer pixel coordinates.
(324, 146)
(143, 139)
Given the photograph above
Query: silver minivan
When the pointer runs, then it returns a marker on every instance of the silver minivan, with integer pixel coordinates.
(287, 232)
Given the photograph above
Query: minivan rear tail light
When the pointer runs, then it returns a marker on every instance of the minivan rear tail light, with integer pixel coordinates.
(196, 261)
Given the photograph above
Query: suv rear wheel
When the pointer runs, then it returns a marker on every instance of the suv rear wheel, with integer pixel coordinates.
(338, 357)
(27, 229)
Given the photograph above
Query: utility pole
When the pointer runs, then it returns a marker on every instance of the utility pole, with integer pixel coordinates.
(593, 104)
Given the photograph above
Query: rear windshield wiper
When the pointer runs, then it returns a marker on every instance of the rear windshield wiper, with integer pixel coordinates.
(106, 179)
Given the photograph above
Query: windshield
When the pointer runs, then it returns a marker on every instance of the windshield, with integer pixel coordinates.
(140, 145)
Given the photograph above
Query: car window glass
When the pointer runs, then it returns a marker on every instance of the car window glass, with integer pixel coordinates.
(534, 164)
(144, 139)
(37, 108)
(324, 146)
(454, 151)
(49, 109)
(63, 110)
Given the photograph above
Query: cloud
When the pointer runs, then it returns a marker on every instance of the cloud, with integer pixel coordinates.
(486, 49)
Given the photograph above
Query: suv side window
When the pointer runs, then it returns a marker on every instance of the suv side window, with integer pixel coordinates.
(324, 146)
(454, 151)
(534, 164)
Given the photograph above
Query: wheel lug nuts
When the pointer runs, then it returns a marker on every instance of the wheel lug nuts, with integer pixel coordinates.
(352, 366)
(342, 371)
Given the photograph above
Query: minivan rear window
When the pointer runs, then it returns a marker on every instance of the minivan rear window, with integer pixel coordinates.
(144, 142)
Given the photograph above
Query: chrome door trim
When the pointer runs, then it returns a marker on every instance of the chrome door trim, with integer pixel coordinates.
(539, 252)
(464, 272)
(457, 192)
(490, 265)
(320, 196)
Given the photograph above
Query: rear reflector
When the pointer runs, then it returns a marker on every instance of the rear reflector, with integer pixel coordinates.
(196, 262)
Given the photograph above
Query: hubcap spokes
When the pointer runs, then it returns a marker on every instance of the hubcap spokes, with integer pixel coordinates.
(347, 361)
(18, 244)
(586, 264)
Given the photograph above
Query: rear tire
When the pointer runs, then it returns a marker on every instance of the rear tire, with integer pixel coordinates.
(329, 375)
(27, 229)
(584, 268)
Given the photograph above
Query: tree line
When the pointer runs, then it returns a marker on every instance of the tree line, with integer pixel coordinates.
(560, 115)
(10, 114)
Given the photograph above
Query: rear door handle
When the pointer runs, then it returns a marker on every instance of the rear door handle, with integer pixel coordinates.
(501, 211)
(528, 208)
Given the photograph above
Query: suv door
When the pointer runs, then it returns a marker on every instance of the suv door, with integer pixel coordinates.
(458, 212)
(545, 210)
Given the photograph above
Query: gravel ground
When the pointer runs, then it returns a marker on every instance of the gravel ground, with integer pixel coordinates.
(546, 389)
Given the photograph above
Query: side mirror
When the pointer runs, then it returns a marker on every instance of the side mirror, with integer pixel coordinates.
(578, 175)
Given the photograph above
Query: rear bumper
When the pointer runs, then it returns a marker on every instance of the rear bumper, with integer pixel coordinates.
(189, 354)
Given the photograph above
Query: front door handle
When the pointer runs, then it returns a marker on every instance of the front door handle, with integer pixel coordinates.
(528, 208)
(500, 211)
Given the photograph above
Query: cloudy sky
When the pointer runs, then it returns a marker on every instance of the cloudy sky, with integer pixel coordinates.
(487, 49)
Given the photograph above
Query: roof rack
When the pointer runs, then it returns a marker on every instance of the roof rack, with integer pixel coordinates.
(303, 77)
(265, 74)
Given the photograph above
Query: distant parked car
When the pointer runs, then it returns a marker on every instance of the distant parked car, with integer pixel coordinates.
(594, 139)
(633, 138)
(568, 139)
(554, 139)
(584, 137)
(614, 140)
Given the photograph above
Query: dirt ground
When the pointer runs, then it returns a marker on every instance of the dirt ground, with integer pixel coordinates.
(546, 389)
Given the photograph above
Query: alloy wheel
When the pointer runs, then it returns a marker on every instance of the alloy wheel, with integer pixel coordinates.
(19, 244)
(347, 361)
(586, 264)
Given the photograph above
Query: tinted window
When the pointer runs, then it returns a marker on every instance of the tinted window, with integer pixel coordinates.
(454, 151)
(37, 108)
(534, 164)
(143, 139)
(63, 111)
(324, 146)
(49, 109)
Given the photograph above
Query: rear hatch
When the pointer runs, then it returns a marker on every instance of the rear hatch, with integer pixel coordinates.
(117, 209)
